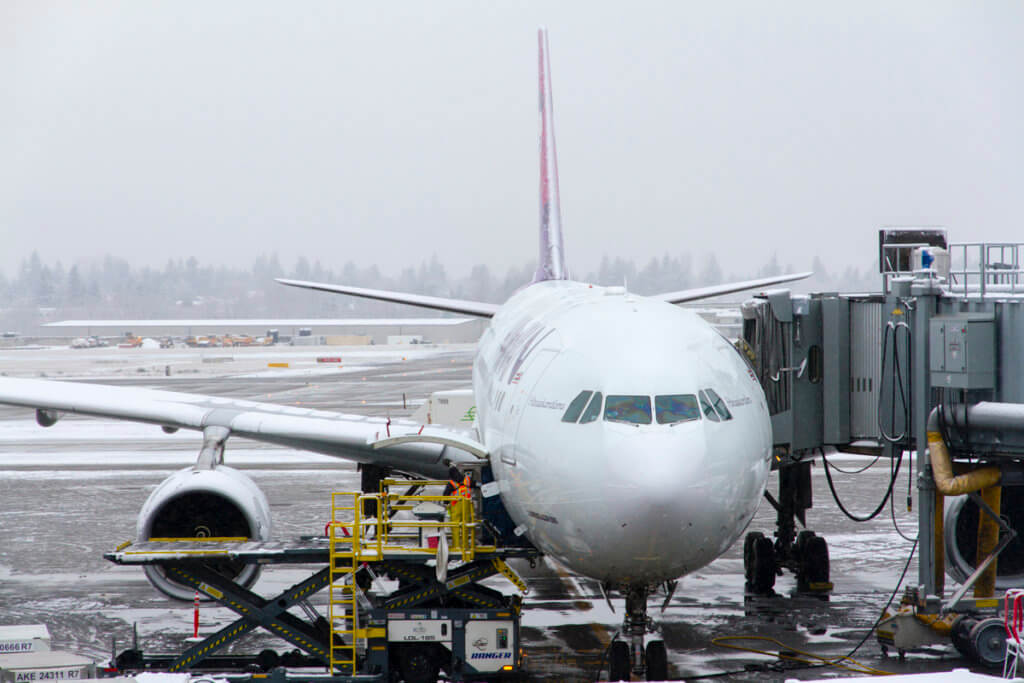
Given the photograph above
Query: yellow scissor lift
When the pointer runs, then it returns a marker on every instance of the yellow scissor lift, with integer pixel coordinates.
(439, 617)
(385, 539)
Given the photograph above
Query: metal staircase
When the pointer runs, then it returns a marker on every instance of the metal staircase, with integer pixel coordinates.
(345, 543)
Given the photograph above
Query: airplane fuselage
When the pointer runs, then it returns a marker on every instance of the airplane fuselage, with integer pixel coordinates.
(630, 440)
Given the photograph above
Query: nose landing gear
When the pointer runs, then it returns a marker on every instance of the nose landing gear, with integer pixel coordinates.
(629, 656)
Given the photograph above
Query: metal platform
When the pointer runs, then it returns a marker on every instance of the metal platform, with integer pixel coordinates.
(303, 550)
(429, 622)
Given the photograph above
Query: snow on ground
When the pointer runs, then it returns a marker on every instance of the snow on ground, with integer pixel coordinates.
(86, 430)
(68, 363)
(12, 465)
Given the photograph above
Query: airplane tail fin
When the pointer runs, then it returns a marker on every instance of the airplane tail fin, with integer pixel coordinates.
(551, 264)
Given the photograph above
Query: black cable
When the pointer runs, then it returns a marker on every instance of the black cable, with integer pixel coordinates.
(892, 329)
(790, 666)
(892, 597)
(910, 481)
(835, 495)
(862, 469)
(892, 511)
(908, 419)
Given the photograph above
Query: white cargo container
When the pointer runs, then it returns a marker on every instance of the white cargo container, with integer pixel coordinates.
(35, 667)
(452, 407)
(19, 639)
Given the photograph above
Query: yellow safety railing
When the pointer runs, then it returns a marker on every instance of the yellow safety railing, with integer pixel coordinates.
(405, 535)
(355, 539)
(345, 535)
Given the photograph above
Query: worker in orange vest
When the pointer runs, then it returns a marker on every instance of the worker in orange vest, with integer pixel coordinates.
(458, 508)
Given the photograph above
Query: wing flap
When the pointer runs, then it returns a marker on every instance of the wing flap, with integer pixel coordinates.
(444, 437)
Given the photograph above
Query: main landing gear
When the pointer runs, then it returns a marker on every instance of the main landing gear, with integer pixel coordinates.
(629, 656)
(807, 558)
(805, 554)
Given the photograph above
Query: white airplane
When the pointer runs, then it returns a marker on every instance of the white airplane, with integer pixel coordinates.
(629, 440)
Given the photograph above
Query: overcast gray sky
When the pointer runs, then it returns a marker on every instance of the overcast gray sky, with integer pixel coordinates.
(386, 132)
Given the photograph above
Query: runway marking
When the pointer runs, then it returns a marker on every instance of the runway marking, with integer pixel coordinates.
(572, 585)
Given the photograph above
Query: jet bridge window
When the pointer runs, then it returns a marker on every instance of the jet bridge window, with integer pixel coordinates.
(572, 413)
(593, 410)
(632, 409)
(675, 408)
(713, 406)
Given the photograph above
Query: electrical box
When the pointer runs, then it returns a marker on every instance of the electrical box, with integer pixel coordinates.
(963, 351)
(490, 645)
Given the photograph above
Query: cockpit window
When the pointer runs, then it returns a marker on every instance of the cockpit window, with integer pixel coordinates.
(593, 410)
(632, 409)
(676, 408)
(572, 413)
(712, 403)
(707, 408)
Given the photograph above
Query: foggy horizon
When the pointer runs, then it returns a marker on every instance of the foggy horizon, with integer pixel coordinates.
(156, 131)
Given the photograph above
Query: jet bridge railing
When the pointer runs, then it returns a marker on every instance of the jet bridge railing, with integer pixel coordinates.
(986, 268)
(974, 268)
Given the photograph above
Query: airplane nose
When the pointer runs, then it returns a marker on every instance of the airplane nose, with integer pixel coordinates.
(659, 467)
(658, 499)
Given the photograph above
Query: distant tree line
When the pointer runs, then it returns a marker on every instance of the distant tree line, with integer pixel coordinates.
(113, 288)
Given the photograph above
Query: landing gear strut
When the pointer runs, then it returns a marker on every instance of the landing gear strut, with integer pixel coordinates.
(805, 554)
(629, 656)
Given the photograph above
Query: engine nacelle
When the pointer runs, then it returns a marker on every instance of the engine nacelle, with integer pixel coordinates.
(961, 537)
(46, 418)
(205, 503)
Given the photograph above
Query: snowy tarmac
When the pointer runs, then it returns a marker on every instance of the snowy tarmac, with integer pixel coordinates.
(72, 492)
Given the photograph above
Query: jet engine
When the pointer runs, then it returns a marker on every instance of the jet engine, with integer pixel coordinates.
(960, 527)
(199, 502)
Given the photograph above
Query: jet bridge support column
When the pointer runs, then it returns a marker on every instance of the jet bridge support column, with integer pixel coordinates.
(921, 301)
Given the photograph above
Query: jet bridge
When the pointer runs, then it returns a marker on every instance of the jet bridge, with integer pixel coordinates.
(932, 365)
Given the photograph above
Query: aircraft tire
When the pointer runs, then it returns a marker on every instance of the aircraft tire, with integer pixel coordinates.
(801, 541)
(813, 559)
(816, 554)
(418, 664)
(762, 563)
(748, 555)
(657, 661)
(619, 666)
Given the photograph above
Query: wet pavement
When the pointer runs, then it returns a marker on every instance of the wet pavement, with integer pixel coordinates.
(70, 493)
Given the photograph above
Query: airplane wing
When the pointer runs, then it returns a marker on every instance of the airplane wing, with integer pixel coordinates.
(697, 293)
(425, 450)
(477, 308)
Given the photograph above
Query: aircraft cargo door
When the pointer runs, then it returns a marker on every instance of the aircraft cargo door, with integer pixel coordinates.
(523, 384)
